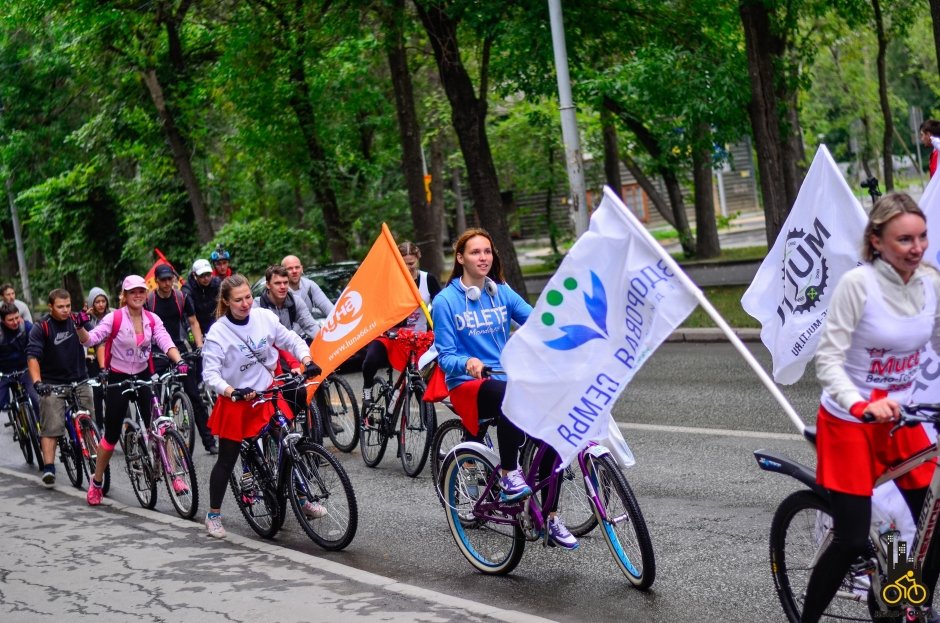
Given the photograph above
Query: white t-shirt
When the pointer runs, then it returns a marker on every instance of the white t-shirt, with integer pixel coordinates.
(246, 355)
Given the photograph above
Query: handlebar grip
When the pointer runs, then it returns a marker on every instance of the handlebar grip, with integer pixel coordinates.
(868, 417)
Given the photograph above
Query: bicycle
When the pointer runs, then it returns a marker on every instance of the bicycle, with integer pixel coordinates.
(280, 464)
(173, 397)
(23, 419)
(78, 447)
(341, 419)
(156, 452)
(403, 400)
(801, 530)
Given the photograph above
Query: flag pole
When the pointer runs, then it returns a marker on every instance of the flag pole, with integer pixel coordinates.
(713, 313)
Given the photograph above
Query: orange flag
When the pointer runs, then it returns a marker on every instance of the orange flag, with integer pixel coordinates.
(161, 259)
(380, 295)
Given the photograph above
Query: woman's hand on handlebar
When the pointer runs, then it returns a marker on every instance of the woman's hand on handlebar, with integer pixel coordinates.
(884, 410)
(244, 393)
(475, 368)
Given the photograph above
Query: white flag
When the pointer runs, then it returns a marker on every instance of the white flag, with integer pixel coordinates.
(609, 305)
(927, 386)
(820, 240)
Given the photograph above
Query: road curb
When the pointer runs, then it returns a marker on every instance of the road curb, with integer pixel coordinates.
(319, 564)
(712, 335)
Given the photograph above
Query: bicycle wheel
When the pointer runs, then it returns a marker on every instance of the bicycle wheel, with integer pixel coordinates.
(70, 455)
(447, 435)
(342, 417)
(372, 434)
(181, 483)
(32, 426)
(20, 424)
(181, 409)
(800, 530)
(88, 431)
(493, 548)
(624, 529)
(256, 498)
(416, 432)
(573, 502)
(319, 478)
(140, 468)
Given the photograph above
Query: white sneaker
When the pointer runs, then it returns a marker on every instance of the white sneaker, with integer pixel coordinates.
(214, 526)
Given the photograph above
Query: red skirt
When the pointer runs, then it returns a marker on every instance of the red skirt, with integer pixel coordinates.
(464, 399)
(851, 457)
(240, 420)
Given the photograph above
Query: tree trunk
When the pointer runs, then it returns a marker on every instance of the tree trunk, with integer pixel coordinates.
(184, 166)
(611, 153)
(763, 50)
(18, 240)
(433, 252)
(549, 198)
(706, 230)
(73, 283)
(468, 113)
(460, 215)
(426, 223)
(318, 169)
(659, 202)
(935, 20)
(888, 137)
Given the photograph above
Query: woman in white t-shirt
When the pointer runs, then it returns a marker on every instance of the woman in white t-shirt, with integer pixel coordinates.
(239, 358)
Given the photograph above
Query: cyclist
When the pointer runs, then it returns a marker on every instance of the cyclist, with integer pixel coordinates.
(55, 355)
(98, 305)
(9, 296)
(176, 311)
(220, 263)
(306, 290)
(382, 352)
(14, 337)
(128, 333)
(881, 316)
(239, 359)
(472, 316)
(202, 288)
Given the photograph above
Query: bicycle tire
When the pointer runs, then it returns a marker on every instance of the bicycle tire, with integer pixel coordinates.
(342, 420)
(258, 500)
(313, 423)
(416, 433)
(180, 462)
(70, 455)
(20, 425)
(373, 438)
(320, 476)
(800, 526)
(181, 409)
(139, 466)
(573, 502)
(91, 436)
(493, 549)
(448, 434)
(629, 538)
(33, 432)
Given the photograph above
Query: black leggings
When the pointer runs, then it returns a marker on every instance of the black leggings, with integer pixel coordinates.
(851, 515)
(510, 438)
(224, 464)
(117, 401)
(376, 358)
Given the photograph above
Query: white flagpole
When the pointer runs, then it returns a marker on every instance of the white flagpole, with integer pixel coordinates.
(713, 313)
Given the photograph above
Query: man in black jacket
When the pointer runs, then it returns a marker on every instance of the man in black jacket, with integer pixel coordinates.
(202, 288)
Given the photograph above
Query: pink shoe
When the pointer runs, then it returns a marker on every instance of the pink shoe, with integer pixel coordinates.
(94, 495)
(180, 486)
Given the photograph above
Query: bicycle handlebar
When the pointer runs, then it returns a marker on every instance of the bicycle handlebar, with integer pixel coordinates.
(912, 414)
(490, 371)
(65, 388)
(288, 382)
(17, 373)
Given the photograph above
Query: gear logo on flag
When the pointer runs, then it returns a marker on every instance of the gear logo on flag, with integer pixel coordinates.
(577, 334)
(805, 270)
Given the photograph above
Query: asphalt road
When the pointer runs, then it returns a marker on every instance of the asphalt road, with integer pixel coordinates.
(693, 416)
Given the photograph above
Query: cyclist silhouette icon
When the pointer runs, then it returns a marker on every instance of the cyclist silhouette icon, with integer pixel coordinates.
(907, 588)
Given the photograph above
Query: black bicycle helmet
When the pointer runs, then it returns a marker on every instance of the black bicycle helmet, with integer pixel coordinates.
(219, 254)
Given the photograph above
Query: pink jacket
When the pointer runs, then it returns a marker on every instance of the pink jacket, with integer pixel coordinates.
(126, 355)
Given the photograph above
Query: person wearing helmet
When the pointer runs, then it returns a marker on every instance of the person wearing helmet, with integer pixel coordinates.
(220, 263)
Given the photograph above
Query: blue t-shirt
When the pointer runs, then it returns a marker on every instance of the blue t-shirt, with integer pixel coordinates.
(465, 328)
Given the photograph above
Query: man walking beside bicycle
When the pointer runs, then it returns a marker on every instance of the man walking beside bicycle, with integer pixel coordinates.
(56, 356)
(14, 338)
(178, 314)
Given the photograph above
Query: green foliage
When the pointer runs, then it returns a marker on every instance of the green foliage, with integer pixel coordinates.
(259, 243)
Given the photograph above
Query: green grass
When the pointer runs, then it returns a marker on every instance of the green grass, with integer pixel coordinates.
(727, 300)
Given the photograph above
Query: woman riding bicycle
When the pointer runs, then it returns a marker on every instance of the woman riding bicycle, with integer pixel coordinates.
(881, 316)
(383, 352)
(129, 333)
(472, 316)
(239, 355)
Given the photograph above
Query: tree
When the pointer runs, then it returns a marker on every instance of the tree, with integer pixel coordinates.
(468, 112)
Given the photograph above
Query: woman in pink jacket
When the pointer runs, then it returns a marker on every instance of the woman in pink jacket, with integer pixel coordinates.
(129, 334)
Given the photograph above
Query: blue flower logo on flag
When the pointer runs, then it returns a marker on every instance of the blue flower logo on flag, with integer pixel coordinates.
(577, 334)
